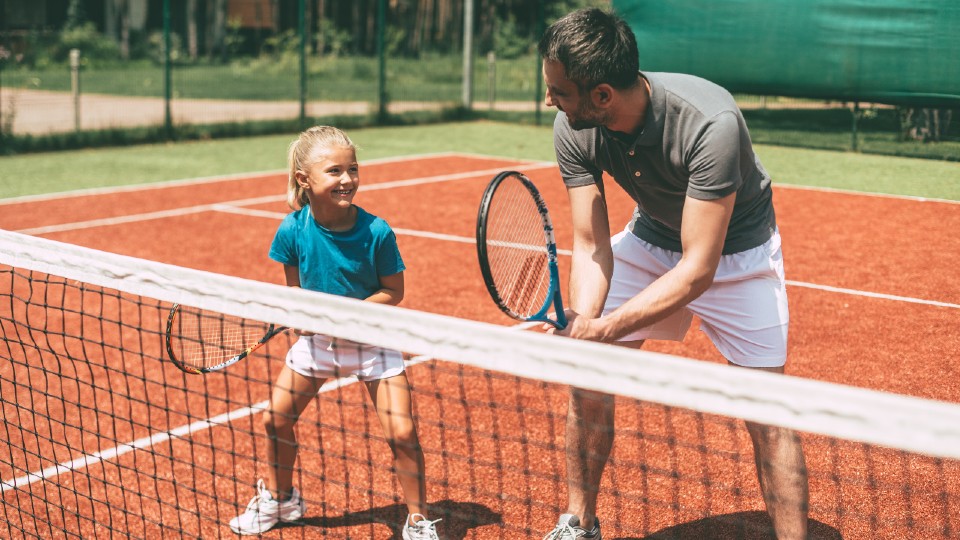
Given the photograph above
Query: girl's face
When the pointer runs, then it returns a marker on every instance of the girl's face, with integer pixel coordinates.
(333, 178)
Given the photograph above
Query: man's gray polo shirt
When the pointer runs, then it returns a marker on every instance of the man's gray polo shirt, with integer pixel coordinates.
(694, 143)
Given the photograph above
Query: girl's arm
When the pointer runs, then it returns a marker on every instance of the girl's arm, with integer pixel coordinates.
(292, 273)
(391, 290)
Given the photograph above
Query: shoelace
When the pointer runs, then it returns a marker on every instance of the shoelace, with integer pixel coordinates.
(255, 502)
(561, 532)
(425, 525)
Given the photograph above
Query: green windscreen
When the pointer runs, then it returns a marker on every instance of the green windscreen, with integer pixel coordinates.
(886, 51)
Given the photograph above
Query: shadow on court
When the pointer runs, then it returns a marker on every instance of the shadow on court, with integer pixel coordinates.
(736, 526)
(458, 519)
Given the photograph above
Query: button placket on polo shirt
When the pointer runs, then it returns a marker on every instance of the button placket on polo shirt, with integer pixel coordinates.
(636, 171)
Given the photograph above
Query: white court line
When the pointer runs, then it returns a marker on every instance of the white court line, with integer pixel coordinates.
(913, 198)
(234, 207)
(146, 442)
(567, 252)
(87, 460)
(243, 176)
(869, 294)
(132, 218)
(395, 159)
(231, 207)
(839, 290)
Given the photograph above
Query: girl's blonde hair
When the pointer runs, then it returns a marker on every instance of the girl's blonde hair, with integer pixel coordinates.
(304, 151)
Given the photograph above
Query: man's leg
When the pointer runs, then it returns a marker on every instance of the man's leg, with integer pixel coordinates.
(782, 472)
(752, 285)
(589, 440)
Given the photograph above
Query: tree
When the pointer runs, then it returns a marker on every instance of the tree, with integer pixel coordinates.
(192, 45)
(216, 27)
(76, 15)
(118, 11)
(926, 125)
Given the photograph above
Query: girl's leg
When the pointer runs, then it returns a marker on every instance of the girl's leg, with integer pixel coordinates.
(291, 395)
(391, 398)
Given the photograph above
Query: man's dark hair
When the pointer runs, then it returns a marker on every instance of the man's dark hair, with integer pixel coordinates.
(594, 46)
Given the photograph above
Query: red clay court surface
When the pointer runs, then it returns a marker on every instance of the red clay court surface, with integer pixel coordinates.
(874, 303)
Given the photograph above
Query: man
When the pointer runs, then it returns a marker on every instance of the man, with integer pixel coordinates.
(703, 240)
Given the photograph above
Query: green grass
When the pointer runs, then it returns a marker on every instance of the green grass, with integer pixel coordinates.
(69, 170)
(862, 172)
(328, 79)
(831, 129)
(29, 174)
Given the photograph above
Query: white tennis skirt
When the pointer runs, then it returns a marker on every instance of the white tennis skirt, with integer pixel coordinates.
(322, 357)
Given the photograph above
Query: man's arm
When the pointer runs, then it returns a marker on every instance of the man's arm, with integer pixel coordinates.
(592, 262)
(702, 234)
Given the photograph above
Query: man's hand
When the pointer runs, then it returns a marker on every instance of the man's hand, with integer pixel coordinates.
(578, 327)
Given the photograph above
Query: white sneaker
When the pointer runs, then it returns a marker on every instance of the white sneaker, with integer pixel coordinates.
(568, 528)
(264, 511)
(421, 530)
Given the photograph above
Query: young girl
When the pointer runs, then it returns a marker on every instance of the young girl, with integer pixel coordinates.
(328, 244)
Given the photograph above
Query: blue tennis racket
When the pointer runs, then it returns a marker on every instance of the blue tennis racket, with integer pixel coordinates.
(517, 250)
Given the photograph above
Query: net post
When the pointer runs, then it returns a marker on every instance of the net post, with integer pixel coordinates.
(468, 54)
(382, 61)
(75, 86)
(167, 68)
(492, 79)
(302, 28)
(854, 138)
(538, 97)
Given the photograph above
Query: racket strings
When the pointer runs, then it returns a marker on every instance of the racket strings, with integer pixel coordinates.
(516, 249)
(205, 340)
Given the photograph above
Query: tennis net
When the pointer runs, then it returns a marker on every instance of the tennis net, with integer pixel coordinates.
(103, 436)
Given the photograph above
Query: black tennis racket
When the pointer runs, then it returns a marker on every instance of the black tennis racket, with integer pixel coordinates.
(517, 250)
(201, 341)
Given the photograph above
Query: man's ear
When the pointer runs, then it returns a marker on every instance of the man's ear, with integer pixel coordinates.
(602, 95)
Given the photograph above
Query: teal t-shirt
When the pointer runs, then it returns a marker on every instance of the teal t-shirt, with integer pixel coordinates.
(347, 263)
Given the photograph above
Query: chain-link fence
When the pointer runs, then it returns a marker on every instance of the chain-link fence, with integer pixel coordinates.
(102, 69)
(263, 68)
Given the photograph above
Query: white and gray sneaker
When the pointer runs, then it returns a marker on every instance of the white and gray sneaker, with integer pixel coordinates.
(420, 530)
(568, 528)
(264, 511)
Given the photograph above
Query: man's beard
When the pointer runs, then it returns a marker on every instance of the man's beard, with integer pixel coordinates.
(587, 117)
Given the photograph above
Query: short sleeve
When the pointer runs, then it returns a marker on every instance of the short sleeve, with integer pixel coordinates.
(714, 163)
(283, 249)
(388, 257)
(576, 153)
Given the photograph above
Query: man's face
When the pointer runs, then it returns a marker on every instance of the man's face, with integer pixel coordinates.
(565, 95)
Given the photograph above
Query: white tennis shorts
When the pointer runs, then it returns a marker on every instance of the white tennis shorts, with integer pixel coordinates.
(744, 312)
(322, 357)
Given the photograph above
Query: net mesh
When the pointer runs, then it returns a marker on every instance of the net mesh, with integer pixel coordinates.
(198, 340)
(102, 436)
